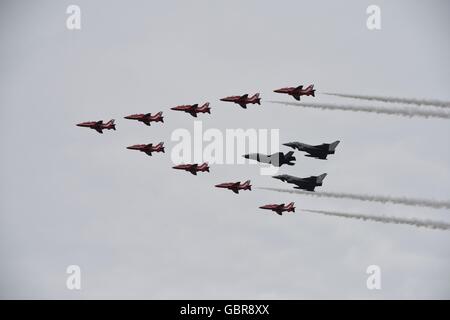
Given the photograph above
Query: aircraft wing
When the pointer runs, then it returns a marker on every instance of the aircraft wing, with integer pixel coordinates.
(308, 187)
(193, 169)
(99, 130)
(296, 96)
(322, 156)
(193, 113)
(148, 153)
(235, 187)
(146, 122)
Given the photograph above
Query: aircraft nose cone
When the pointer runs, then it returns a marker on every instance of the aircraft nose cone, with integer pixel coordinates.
(278, 177)
(288, 144)
(246, 156)
(127, 117)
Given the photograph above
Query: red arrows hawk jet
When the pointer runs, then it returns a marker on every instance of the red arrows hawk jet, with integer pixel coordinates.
(297, 92)
(279, 208)
(235, 186)
(146, 118)
(148, 148)
(99, 126)
(193, 168)
(243, 100)
(193, 109)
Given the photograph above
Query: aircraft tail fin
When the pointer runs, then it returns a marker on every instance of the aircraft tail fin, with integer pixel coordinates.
(161, 145)
(206, 108)
(290, 207)
(333, 145)
(319, 179)
(290, 156)
(256, 98)
(246, 185)
(111, 124)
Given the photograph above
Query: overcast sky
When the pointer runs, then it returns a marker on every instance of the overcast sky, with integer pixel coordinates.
(138, 228)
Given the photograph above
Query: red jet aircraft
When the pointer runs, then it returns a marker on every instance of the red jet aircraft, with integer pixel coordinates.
(297, 92)
(99, 126)
(148, 148)
(235, 186)
(279, 208)
(193, 168)
(193, 109)
(243, 100)
(146, 118)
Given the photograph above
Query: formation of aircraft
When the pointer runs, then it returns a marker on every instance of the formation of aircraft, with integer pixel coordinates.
(243, 100)
(146, 118)
(278, 159)
(297, 92)
(148, 148)
(320, 151)
(309, 183)
(193, 109)
(235, 186)
(279, 208)
(99, 126)
(193, 168)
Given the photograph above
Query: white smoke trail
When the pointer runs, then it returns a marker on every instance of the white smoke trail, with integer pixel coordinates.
(385, 219)
(418, 102)
(405, 112)
(383, 199)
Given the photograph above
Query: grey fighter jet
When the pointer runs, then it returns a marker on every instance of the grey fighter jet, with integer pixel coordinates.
(276, 159)
(309, 183)
(320, 151)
